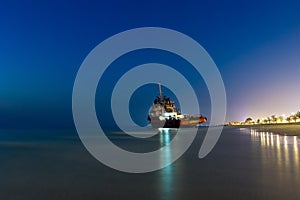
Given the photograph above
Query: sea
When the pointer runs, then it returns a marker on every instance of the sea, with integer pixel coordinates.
(244, 164)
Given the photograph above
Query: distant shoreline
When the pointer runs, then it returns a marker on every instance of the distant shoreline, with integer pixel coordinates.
(289, 129)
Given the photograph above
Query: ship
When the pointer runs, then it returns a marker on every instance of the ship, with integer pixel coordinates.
(165, 114)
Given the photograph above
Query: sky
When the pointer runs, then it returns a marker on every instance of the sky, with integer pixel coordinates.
(255, 45)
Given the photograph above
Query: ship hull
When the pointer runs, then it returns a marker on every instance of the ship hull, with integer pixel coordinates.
(169, 123)
(176, 123)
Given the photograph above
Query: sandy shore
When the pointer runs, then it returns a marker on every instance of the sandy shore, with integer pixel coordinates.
(292, 129)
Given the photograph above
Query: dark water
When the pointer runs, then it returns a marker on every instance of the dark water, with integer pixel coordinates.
(244, 164)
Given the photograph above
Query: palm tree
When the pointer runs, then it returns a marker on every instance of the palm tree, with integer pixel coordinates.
(281, 118)
(258, 121)
(295, 117)
(274, 118)
(269, 120)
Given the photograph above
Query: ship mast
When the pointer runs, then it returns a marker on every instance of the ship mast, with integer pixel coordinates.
(159, 89)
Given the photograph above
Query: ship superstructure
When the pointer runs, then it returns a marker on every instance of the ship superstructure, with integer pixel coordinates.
(164, 114)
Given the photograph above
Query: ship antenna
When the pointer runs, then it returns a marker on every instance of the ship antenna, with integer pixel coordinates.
(159, 89)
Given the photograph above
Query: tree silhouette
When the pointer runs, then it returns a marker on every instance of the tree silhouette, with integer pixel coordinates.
(258, 121)
(281, 118)
(295, 117)
(274, 118)
(249, 120)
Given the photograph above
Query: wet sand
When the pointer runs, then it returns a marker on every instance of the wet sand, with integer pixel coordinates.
(292, 129)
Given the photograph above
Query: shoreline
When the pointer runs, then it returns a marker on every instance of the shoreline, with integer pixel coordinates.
(288, 129)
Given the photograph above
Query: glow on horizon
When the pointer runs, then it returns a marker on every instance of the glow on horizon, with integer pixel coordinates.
(270, 85)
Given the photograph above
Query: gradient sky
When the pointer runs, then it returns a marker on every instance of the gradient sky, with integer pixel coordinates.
(255, 45)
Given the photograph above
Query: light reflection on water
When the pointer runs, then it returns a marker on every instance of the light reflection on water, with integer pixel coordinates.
(243, 165)
(283, 149)
(296, 151)
(166, 174)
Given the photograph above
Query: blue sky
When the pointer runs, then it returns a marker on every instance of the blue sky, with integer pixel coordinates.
(254, 44)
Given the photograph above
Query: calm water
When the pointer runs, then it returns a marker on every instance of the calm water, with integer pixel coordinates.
(244, 164)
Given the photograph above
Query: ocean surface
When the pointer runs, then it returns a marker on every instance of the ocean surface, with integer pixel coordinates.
(244, 164)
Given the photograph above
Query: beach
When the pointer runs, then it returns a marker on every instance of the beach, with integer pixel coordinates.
(289, 129)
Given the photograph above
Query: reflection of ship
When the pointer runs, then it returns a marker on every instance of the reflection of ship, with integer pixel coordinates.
(164, 114)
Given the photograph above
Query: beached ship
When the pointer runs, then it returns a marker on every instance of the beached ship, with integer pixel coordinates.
(164, 114)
